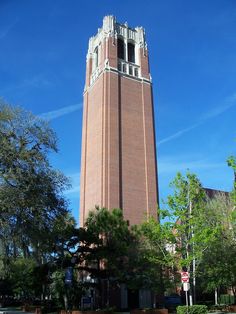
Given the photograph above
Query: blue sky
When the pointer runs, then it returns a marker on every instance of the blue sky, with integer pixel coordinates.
(192, 47)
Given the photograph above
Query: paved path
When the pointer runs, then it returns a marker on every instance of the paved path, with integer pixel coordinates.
(12, 311)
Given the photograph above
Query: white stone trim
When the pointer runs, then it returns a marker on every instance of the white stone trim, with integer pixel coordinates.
(113, 29)
(142, 80)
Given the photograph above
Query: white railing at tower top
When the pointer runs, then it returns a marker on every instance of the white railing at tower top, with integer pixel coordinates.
(128, 68)
(126, 32)
(123, 66)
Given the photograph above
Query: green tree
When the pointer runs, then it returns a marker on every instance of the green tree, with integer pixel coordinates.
(186, 212)
(113, 239)
(232, 163)
(22, 277)
(187, 222)
(67, 296)
(103, 251)
(34, 214)
(204, 233)
(156, 244)
(30, 189)
(218, 267)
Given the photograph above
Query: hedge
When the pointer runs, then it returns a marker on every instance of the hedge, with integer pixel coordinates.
(194, 309)
(227, 299)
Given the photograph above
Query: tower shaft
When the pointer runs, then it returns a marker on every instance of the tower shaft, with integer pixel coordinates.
(118, 165)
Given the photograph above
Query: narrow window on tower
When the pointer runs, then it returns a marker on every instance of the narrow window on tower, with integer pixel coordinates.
(131, 54)
(120, 49)
(96, 58)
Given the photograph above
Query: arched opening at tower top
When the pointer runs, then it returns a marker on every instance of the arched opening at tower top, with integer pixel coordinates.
(96, 58)
(131, 52)
(120, 49)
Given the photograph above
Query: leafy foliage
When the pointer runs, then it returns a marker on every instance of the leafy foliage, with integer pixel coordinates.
(157, 261)
(187, 210)
(30, 189)
(218, 267)
(109, 253)
(102, 248)
(203, 231)
(22, 277)
(33, 211)
(195, 309)
(232, 163)
(66, 295)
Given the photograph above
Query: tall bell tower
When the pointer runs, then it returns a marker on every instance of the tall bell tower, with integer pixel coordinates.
(118, 162)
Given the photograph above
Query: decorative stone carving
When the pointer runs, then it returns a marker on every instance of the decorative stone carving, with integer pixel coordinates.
(111, 28)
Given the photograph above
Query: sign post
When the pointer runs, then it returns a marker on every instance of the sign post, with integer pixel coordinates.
(186, 286)
(185, 276)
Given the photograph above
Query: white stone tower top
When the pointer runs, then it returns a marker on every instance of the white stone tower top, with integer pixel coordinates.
(117, 47)
(111, 28)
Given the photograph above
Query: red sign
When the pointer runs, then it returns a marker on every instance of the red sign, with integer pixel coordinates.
(185, 276)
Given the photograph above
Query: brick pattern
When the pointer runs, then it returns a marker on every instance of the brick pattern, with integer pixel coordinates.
(144, 63)
(139, 187)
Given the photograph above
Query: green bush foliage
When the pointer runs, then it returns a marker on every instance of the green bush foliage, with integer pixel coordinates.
(227, 299)
(194, 309)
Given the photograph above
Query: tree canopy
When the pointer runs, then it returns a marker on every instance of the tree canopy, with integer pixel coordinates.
(31, 199)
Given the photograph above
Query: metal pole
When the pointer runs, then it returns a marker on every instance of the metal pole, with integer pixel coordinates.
(194, 281)
(186, 297)
(216, 296)
(192, 296)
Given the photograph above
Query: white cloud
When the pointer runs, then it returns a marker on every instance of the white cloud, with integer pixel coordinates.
(75, 184)
(212, 173)
(74, 190)
(178, 134)
(229, 102)
(37, 81)
(172, 165)
(51, 115)
(216, 111)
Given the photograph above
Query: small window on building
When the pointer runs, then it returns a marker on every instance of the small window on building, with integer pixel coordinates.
(119, 66)
(120, 49)
(130, 70)
(136, 72)
(131, 53)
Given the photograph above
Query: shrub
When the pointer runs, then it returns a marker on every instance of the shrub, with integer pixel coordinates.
(194, 309)
(226, 299)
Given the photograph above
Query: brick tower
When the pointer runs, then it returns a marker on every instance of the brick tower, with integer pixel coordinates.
(118, 164)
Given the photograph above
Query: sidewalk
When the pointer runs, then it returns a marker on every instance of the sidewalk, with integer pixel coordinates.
(12, 311)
